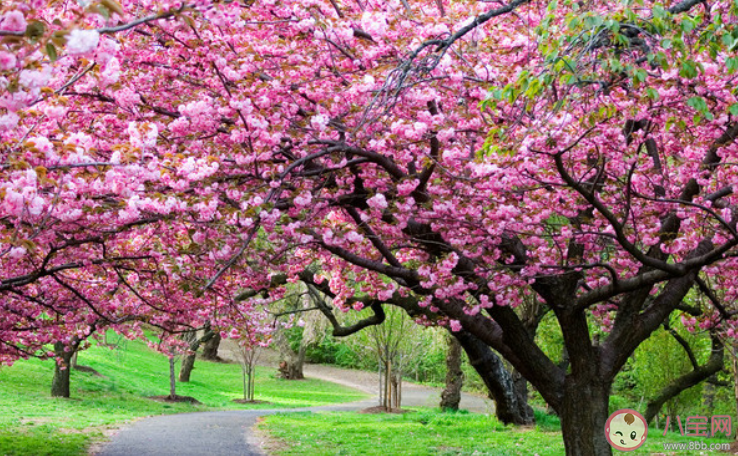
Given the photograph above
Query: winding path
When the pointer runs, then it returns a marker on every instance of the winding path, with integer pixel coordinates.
(228, 433)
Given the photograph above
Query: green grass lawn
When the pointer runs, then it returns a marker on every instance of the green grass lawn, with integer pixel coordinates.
(33, 423)
(425, 433)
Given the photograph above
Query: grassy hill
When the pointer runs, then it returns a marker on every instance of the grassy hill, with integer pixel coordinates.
(33, 423)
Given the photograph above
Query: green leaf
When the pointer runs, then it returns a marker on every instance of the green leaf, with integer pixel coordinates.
(688, 70)
(615, 65)
(593, 21)
(658, 12)
(734, 46)
(732, 64)
(104, 11)
(652, 93)
(698, 103)
(688, 24)
(35, 30)
(669, 124)
(640, 75)
(613, 25)
(733, 109)
(51, 51)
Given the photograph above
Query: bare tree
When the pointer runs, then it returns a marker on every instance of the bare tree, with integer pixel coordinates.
(247, 356)
(391, 343)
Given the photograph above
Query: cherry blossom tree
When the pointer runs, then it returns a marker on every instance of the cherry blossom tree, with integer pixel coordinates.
(76, 256)
(447, 158)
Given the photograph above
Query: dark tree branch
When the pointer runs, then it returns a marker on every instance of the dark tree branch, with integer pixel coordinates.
(685, 345)
(707, 291)
(7, 284)
(373, 238)
(342, 331)
(684, 6)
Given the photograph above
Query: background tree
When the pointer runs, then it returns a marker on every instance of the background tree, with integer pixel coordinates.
(212, 345)
(247, 357)
(195, 339)
(451, 394)
(391, 343)
(304, 323)
(65, 353)
(62, 369)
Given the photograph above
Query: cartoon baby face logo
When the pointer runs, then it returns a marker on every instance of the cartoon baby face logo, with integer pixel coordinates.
(626, 430)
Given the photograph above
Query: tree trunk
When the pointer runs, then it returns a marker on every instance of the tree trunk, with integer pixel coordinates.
(172, 379)
(291, 366)
(60, 382)
(381, 388)
(398, 392)
(388, 385)
(509, 407)
(185, 370)
(300, 360)
(451, 395)
(520, 386)
(583, 413)
(188, 363)
(396, 389)
(252, 382)
(210, 350)
(291, 370)
(245, 386)
(563, 365)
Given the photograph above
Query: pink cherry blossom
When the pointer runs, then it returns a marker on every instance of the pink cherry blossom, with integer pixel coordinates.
(455, 325)
(82, 41)
(13, 21)
(7, 61)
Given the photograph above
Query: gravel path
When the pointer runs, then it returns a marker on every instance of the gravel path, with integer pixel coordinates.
(228, 433)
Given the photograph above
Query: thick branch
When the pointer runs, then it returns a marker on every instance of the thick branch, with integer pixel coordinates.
(496, 378)
(342, 331)
(143, 20)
